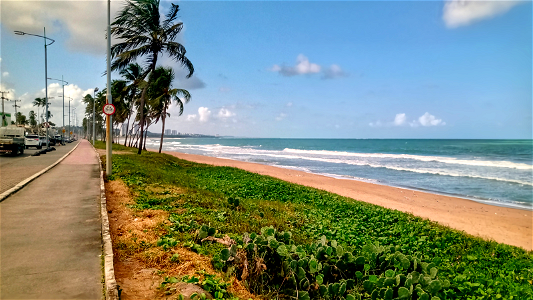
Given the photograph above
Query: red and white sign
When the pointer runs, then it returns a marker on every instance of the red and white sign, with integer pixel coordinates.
(109, 109)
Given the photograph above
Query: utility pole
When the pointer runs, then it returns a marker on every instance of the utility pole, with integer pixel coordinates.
(94, 105)
(3, 113)
(109, 127)
(15, 106)
(63, 83)
(74, 117)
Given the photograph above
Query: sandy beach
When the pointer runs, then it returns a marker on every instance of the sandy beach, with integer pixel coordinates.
(505, 225)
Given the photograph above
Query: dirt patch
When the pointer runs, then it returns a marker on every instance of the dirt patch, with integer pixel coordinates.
(139, 266)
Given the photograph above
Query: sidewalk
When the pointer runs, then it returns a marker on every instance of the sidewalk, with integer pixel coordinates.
(15, 169)
(50, 243)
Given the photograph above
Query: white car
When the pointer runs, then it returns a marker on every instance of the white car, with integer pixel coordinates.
(33, 141)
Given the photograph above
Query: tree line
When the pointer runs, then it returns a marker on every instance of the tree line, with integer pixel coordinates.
(145, 92)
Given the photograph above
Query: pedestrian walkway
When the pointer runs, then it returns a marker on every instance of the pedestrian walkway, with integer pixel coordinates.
(51, 233)
(13, 170)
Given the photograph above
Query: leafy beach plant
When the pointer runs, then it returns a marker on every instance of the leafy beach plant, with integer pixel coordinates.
(299, 242)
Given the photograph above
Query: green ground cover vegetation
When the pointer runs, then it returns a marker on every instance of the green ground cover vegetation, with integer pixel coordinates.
(296, 242)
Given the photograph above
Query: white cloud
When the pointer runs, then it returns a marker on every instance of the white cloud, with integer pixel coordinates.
(414, 123)
(458, 13)
(399, 120)
(73, 91)
(430, 120)
(334, 71)
(83, 21)
(281, 116)
(303, 66)
(191, 83)
(5, 74)
(375, 124)
(204, 114)
(192, 117)
(225, 113)
(289, 104)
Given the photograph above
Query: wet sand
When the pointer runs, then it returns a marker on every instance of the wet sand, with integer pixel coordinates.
(505, 225)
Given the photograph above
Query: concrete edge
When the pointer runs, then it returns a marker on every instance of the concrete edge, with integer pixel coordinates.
(24, 182)
(111, 287)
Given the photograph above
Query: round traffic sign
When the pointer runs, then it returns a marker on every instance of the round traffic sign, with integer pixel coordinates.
(109, 109)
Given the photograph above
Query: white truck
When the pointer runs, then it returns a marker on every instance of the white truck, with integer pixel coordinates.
(12, 139)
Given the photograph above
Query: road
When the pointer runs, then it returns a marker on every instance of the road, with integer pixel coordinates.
(14, 169)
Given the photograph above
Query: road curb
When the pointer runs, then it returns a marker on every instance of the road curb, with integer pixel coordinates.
(24, 182)
(111, 287)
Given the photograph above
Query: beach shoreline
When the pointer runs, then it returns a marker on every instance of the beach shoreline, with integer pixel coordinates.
(513, 226)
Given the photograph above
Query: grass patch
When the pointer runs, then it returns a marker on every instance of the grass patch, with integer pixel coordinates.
(234, 202)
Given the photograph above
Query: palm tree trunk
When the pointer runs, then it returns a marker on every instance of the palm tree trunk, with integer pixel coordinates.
(127, 129)
(135, 136)
(145, 135)
(162, 130)
(143, 94)
(142, 118)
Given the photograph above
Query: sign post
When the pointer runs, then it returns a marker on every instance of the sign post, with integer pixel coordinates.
(109, 109)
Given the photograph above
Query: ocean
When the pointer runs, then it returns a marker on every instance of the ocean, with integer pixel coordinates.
(496, 172)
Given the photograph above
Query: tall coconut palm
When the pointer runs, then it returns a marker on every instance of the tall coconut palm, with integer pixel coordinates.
(142, 34)
(132, 74)
(162, 94)
(33, 120)
(39, 102)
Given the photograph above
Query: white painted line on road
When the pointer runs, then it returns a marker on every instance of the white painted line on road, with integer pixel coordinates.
(29, 179)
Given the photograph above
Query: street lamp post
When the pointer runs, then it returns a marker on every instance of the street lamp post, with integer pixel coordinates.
(94, 105)
(45, 74)
(63, 82)
(74, 117)
(109, 146)
(70, 99)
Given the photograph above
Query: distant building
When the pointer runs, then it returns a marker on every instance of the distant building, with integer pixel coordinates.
(168, 131)
(174, 132)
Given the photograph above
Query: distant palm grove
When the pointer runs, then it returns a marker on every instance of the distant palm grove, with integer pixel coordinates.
(144, 94)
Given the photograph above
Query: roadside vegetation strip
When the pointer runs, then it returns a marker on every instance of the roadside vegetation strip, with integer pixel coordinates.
(31, 178)
(383, 248)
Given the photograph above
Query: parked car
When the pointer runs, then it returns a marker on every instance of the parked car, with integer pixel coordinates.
(33, 141)
(57, 139)
(50, 141)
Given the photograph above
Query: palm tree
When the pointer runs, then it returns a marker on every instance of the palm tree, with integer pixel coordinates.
(39, 102)
(131, 74)
(143, 34)
(21, 119)
(119, 92)
(33, 120)
(161, 94)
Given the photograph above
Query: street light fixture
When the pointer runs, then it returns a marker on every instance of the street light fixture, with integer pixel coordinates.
(45, 74)
(63, 82)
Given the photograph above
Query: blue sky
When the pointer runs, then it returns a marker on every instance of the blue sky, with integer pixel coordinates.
(361, 69)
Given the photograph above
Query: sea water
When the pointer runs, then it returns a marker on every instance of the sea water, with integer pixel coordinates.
(497, 172)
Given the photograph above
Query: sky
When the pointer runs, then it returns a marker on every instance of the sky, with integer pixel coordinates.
(302, 69)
